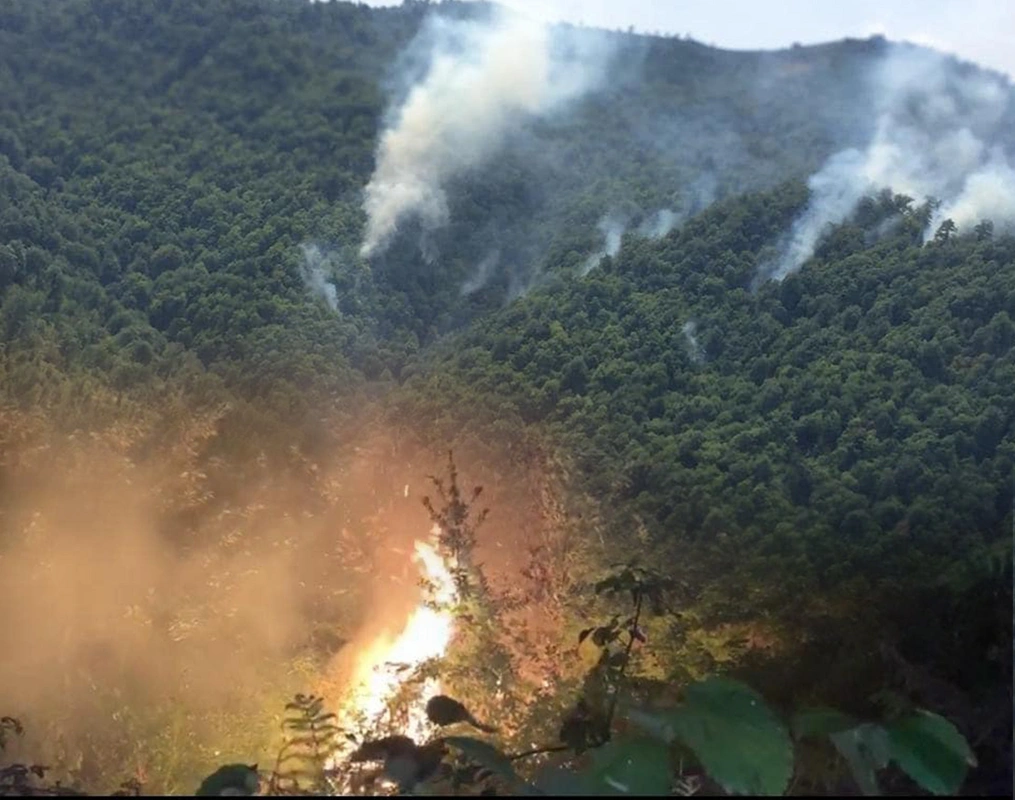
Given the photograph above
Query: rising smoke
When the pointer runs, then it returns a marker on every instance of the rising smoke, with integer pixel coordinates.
(659, 224)
(484, 80)
(936, 135)
(987, 193)
(696, 197)
(156, 613)
(315, 272)
(612, 227)
(483, 273)
(694, 349)
(124, 611)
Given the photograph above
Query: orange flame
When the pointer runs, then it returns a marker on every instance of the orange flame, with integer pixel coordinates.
(426, 635)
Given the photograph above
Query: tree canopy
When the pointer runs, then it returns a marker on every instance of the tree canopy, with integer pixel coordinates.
(822, 466)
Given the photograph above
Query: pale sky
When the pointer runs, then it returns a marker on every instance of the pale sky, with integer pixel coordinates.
(982, 31)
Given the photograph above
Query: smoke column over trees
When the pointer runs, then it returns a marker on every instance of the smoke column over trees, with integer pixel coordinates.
(936, 136)
(485, 78)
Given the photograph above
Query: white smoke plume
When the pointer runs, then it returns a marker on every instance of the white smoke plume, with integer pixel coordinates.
(485, 78)
(660, 223)
(482, 275)
(694, 348)
(313, 270)
(934, 137)
(612, 227)
(698, 196)
(988, 193)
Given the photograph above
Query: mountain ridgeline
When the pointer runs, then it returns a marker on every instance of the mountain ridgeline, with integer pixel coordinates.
(176, 158)
(759, 305)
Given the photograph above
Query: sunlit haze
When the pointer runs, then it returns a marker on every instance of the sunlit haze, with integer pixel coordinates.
(982, 31)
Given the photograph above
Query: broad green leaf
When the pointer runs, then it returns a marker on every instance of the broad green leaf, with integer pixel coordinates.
(443, 710)
(238, 779)
(403, 770)
(865, 748)
(638, 766)
(820, 722)
(617, 660)
(487, 755)
(931, 751)
(740, 742)
(560, 782)
(654, 722)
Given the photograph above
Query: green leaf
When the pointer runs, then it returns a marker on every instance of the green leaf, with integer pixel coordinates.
(740, 742)
(606, 585)
(865, 748)
(931, 751)
(238, 779)
(443, 710)
(820, 722)
(637, 766)
(560, 782)
(617, 660)
(486, 755)
(403, 769)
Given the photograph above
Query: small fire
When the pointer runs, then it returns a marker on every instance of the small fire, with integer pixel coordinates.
(388, 661)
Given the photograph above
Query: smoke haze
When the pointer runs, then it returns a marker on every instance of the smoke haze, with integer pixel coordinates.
(659, 224)
(484, 79)
(153, 619)
(482, 275)
(612, 228)
(934, 137)
(139, 602)
(694, 349)
(696, 197)
(313, 271)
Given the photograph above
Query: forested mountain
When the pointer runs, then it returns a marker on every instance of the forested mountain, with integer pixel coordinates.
(825, 461)
(175, 157)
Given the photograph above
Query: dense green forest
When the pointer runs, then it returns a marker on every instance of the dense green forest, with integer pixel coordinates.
(199, 370)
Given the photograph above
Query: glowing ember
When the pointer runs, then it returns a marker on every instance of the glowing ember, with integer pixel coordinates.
(384, 666)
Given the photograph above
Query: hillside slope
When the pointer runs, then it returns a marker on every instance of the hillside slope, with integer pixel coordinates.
(188, 326)
(164, 164)
(832, 455)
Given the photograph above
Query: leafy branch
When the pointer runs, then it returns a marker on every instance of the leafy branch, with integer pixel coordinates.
(310, 740)
(457, 532)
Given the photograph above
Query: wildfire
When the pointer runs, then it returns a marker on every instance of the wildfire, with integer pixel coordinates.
(384, 665)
